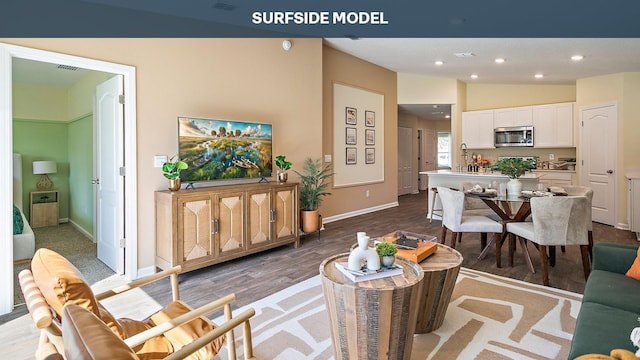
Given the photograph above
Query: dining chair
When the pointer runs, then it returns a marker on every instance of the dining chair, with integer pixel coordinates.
(473, 206)
(454, 219)
(556, 221)
(575, 190)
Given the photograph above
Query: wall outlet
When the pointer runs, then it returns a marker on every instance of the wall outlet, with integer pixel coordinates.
(159, 160)
(552, 157)
(366, 193)
(327, 158)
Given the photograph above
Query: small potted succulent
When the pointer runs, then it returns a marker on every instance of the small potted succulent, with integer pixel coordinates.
(283, 165)
(387, 252)
(171, 170)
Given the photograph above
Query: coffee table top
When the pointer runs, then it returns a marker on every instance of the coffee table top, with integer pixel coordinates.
(411, 275)
(444, 258)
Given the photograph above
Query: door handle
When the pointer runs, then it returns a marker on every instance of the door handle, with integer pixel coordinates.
(609, 171)
(95, 181)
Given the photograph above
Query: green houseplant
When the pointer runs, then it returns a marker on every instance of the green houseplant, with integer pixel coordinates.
(171, 170)
(387, 251)
(314, 181)
(283, 165)
(514, 168)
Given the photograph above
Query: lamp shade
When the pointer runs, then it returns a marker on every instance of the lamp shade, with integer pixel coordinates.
(44, 167)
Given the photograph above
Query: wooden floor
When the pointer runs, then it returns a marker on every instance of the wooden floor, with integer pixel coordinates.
(259, 275)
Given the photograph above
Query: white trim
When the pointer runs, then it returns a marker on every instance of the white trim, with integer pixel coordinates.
(359, 212)
(7, 52)
(148, 271)
(81, 230)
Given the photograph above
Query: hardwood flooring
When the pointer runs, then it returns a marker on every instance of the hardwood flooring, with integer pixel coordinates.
(259, 275)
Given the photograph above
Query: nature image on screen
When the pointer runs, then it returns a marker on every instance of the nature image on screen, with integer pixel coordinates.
(224, 149)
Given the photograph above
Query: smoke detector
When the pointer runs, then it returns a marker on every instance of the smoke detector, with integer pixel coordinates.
(464, 54)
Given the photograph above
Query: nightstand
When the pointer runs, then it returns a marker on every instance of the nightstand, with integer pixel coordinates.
(44, 208)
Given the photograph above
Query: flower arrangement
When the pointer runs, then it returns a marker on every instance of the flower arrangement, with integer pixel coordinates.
(513, 167)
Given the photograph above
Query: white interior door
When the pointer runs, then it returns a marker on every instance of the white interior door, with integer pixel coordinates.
(428, 155)
(405, 160)
(109, 184)
(598, 159)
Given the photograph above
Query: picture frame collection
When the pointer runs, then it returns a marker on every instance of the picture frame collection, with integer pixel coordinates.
(351, 136)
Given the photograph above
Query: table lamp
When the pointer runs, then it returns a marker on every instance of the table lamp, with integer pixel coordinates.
(43, 168)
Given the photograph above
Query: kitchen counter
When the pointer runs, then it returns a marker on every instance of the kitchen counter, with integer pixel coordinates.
(453, 179)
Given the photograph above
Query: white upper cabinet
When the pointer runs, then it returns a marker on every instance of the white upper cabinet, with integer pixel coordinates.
(477, 129)
(553, 125)
(510, 117)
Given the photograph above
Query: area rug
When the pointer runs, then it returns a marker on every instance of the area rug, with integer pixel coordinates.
(489, 317)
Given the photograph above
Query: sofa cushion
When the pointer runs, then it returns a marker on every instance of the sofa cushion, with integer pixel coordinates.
(613, 289)
(18, 224)
(601, 328)
(634, 270)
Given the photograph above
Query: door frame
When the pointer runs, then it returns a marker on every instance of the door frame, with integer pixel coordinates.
(582, 172)
(7, 53)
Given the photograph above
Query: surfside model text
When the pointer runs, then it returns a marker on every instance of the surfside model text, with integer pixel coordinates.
(318, 18)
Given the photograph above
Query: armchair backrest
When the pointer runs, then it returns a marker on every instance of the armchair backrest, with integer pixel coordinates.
(575, 190)
(452, 207)
(471, 203)
(560, 220)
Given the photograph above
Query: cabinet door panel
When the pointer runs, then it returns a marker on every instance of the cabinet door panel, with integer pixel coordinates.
(195, 229)
(285, 202)
(258, 223)
(230, 236)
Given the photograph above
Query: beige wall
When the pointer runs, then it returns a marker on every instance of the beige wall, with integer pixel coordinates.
(423, 89)
(623, 89)
(339, 67)
(495, 96)
(244, 79)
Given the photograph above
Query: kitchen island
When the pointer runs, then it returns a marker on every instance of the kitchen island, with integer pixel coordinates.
(453, 179)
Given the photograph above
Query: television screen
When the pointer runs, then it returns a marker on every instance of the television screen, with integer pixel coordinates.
(224, 149)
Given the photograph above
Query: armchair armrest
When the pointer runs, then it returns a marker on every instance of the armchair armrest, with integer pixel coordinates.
(159, 329)
(173, 273)
(613, 257)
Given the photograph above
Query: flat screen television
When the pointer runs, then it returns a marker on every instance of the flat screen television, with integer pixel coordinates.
(218, 149)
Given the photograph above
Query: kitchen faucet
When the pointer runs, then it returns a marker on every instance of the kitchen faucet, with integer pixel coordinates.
(463, 146)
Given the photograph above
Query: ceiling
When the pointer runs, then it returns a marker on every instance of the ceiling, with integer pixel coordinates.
(523, 58)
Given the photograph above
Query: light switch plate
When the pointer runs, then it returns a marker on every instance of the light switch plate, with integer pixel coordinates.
(159, 160)
(327, 158)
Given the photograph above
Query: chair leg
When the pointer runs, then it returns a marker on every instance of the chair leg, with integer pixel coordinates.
(483, 241)
(586, 265)
(552, 255)
(433, 205)
(454, 239)
(563, 249)
(591, 244)
(498, 241)
(444, 235)
(544, 263)
(512, 246)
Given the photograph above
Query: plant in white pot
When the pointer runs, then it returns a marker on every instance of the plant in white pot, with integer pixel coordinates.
(171, 170)
(387, 252)
(314, 181)
(283, 165)
(514, 168)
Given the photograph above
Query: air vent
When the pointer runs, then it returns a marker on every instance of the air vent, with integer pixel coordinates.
(223, 6)
(67, 67)
(464, 54)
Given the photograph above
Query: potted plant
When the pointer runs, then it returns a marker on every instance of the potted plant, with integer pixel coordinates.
(514, 168)
(171, 170)
(283, 165)
(313, 185)
(387, 252)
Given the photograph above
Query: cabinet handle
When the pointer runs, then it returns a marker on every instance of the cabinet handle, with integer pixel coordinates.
(216, 226)
(273, 216)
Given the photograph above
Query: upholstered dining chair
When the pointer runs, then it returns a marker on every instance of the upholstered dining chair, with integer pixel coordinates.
(453, 219)
(556, 221)
(575, 190)
(474, 206)
(53, 282)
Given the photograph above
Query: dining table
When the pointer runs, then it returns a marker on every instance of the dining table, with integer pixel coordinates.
(502, 206)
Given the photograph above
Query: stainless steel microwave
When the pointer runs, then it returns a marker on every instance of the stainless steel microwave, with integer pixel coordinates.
(513, 136)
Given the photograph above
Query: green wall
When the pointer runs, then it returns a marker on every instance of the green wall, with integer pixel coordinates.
(80, 153)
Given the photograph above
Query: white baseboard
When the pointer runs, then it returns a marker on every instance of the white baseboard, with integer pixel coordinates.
(82, 230)
(326, 220)
(623, 226)
(147, 271)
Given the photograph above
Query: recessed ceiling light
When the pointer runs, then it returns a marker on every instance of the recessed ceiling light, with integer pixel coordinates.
(439, 62)
(474, 76)
(577, 57)
(499, 60)
(539, 76)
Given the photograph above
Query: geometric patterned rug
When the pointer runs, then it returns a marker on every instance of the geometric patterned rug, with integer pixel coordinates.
(489, 317)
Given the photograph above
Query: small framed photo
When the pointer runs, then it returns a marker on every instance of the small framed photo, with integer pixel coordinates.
(369, 137)
(369, 156)
(352, 156)
(351, 136)
(369, 118)
(351, 116)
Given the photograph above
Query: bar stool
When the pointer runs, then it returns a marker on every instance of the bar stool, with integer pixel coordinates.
(433, 205)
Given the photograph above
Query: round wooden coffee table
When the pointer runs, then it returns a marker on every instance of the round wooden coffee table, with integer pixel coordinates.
(440, 273)
(372, 319)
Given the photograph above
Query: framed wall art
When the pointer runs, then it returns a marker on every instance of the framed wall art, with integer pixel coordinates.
(369, 137)
(351, 136)
(351, 116)
(369, 118)
(352, 156)
(370, 155)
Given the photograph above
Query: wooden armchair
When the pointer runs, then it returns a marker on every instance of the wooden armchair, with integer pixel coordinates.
(53, 282)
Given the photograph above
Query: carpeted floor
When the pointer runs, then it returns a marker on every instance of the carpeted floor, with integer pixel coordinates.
(489, 317)
(72, 244)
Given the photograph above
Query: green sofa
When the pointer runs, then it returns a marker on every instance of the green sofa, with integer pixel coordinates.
(611, 304)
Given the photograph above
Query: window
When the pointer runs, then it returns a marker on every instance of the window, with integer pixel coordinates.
(444, 150)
